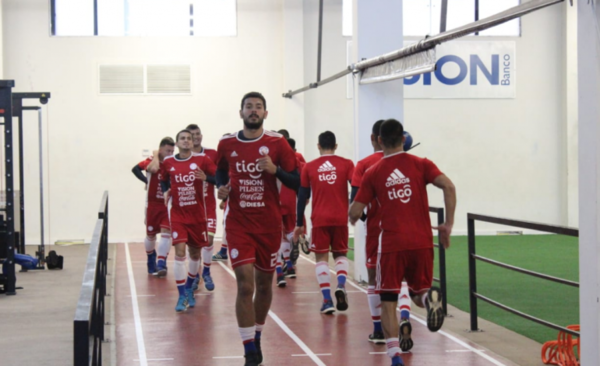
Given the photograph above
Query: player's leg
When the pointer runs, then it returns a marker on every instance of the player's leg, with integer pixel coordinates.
(372, 243)
(222, 253)
(150, 246)
(193, 265)
(320, 245)
(206, 260)
(163, 248)
(405, 335)
(280, 276)
(390, 268)
(419, 278)
(244, 309)
(339, 249)
(180, 270)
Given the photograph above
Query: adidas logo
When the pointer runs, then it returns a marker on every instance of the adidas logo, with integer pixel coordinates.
(396, 178)
(234, 154)
(172, 169)
(326, 167)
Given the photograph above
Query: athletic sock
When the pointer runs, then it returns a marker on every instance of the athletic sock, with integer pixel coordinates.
(206, 260)
(375, 308)
(192, 272)
(180, 274)
(164, 245)
(150, 244)
(258, 331)
(341, 270)
(322, 271)
(247, 335)
(404, 302)
(393, 350)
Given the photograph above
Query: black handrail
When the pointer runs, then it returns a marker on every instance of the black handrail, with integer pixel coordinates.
(88, 325)
(442, 255)
(474, 295)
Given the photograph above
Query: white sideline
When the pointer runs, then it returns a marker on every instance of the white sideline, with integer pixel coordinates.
(139, 335)
(449, 336)
(285, 328)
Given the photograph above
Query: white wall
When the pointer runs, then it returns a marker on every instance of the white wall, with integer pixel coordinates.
(94, 141)
(506, 157)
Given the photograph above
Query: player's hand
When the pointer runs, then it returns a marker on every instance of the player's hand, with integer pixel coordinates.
(154, 153)
(199, 174)
(266, 164)
(444, 230)
(167, 194)
(222, 204)
(298, 230)
(223, 192)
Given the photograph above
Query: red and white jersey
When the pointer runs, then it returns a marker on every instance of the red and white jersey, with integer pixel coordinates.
(153, 190)
(253, 204)
(373, 216)
(209, 188)
(328, 177)
(288, 195)
(187, 204)
(398, 182)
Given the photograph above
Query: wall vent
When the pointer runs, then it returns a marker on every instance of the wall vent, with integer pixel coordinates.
(144, 79)
(121, 79)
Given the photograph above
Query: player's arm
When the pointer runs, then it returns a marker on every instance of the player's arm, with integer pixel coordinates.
(154, 165)
(365, 194)
(290, 180)
(445, 184)
(303, 197)
(222, 174)
(353, 193)
(356, 211)
(139, 173)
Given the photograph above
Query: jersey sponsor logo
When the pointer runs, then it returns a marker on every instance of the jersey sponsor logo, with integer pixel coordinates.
(263, 150)
(252, 169)
(251, 196)
(396, 178)
(244, 204)
(403, 193)
(187, 179)
(193, 166)
(326, 167)
(328, 177)
(234, 253)
(234, 154)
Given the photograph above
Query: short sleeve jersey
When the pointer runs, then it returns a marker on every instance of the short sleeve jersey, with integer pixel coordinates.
(288, 195)
(187, 203)
(398, 182)
(154, 192)
(373, 211)
(328, 177)
(254, 203)
(209, 188)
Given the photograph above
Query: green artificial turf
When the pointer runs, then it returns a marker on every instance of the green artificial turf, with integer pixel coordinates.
(554, 255)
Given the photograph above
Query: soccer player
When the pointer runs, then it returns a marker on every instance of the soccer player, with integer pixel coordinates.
(157, 217)
(254, 159)
(405, 251)
(183, 186)
(328, 177)
(372, 219)
(211, 210)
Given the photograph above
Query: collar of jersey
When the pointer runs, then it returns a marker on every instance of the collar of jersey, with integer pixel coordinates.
(394, 154)
(178, 159)
(241, 138)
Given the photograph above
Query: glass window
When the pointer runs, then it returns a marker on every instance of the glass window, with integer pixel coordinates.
(74, 17)
(491, 7)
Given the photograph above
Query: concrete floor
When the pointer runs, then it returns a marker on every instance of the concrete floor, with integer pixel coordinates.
(36, 326)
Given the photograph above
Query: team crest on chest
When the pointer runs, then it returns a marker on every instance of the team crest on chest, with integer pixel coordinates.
(263, 150)
(193, 166)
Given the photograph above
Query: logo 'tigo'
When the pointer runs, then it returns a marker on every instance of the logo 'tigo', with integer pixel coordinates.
(328, 177)
(187, 179)
(252, 168)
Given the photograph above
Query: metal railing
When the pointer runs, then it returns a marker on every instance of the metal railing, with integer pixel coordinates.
(442, 259)
(88, 325)
(474, 295)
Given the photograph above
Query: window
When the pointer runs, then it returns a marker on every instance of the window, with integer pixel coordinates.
(422, 17)
(144, 18)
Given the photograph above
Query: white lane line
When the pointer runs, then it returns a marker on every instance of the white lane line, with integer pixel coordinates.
(317, 354)
(318, 292)
(218, 357)
(462, 350)
(159, 359)
(285, 328)
(142, 295)
(378, 353)
(139, 335)
(413, 316)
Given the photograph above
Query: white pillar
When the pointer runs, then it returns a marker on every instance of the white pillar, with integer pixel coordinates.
(571, 125)
(293, 68)
(377, 29)
(589, 182)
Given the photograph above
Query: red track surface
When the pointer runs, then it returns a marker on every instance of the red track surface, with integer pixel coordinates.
(208, 334)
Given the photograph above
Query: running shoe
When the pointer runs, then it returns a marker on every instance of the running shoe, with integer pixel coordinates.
(258, 350)
(161, 269)
(196, 283)
(189, 295)
(220, 257)
(208, 282)
(327, 307)
(377, 338)
(251, 359)
(341, 298)
(281, 280)
(290, 273)
(435, 312)
(295, 252)
(304, 245)
(406, 342)
(182, 304)
(152, 263)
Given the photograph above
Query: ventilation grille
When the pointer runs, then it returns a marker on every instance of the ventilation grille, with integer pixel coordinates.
(168, 79)
(145, 79)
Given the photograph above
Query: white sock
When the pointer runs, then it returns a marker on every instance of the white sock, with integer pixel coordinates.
(404, 301)
(193, 268)
(341, 270)
(207, 258)
(150, 244)
(164, 245)
(374, 304)
(393, 347)
(322, 271)
(180, 272)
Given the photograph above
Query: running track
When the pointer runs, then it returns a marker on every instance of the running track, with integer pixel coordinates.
(150, 332)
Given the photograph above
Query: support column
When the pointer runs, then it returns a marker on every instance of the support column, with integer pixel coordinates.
(377, 29)
(588, 54)
(571, 128)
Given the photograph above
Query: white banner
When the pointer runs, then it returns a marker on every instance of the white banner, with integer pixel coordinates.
(468, 70)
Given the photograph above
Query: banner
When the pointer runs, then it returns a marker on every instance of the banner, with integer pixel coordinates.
(468, 70)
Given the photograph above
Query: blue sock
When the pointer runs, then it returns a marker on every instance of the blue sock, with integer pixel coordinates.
(290, 264)
(257, 335)
(223, 251)
(161, 262)
(326, 294)
(405, 314)
(397, 361)
(249, 347)
(181, 289)
(377, 327)
(206, 271)
(189, 282)
(279, 270)
(341, 281)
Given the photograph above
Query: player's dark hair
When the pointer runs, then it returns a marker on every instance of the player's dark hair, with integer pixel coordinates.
(391, 133)
(180, 132)
(377, 127)
(285, 133)
(254, 95)
(192, 126)
(167, 141)
(327, 140)
(292, 143)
